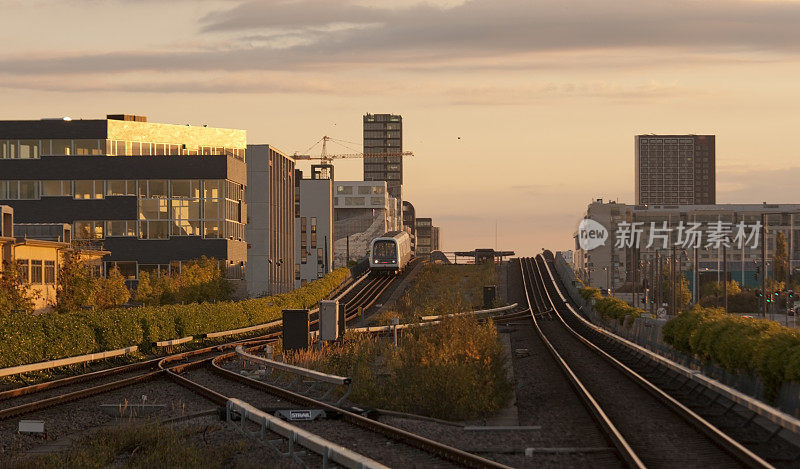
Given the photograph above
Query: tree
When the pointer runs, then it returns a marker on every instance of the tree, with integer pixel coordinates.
(780, 268)
(76, 286)
(684, 296)
(716, 289)
(200, 280)
(112, 291)
(15, 293)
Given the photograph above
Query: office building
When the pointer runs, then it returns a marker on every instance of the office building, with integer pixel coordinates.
(383, 133)
(363, 210)
(611, 266)
(435, 238)
(313, 225)
(271, 221)
(152, 194)
(675, 170)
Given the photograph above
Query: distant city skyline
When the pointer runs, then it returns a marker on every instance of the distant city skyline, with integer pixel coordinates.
(516, 112)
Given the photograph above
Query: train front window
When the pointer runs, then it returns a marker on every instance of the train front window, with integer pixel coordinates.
(384, 250)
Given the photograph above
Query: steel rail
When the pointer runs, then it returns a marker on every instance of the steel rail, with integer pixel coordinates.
(721, 439)
(610, 431)
(444, 451)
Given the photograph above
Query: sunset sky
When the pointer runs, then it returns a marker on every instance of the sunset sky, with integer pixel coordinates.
(518, 111)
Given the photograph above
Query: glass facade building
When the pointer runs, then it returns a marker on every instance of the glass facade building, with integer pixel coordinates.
(154, 195)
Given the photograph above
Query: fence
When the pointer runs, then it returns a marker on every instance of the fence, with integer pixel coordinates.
(647, 332)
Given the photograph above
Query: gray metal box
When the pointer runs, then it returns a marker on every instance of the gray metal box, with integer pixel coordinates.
(295, 329)
(328, 320)
(489, 294)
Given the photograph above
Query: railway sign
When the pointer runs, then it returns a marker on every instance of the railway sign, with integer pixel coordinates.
(300, 414)
(31, 426)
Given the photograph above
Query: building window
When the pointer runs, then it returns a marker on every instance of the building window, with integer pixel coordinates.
(57, 188)
(24, 266)
(17, 190)
(313, 232)
(28, 149)
(37, 272)
(297, 271)
(211, 229)
(89, 189)
(344, 190)
(154, 230)
(126, 268)
(121, 187)
(87, 147)
(49, 272)
(88, 230)
(120, 228)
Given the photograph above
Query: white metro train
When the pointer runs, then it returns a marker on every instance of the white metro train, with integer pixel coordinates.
(390, 253)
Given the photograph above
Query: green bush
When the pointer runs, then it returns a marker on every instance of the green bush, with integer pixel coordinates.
(739, 345)
(610, 307)
(29, 339)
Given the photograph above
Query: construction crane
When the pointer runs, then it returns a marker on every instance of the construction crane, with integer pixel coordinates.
(327, 158)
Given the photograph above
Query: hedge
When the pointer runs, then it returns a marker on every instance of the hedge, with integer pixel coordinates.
(30, 339)
(739, 345)
(608, 306)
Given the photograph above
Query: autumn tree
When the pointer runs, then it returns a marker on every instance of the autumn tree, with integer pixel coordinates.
(78, 288)
(199, 280)
(15, 293)
(111, 291)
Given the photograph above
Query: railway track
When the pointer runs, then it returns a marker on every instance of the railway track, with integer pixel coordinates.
(359, 296)
(769, 440)
(647, 427)
(389, 445)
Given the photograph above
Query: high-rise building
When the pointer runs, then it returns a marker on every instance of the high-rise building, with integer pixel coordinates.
(313, 225)
(675, 170)
(154, 195)
(424, 230)
(383, 133)
(270, 227)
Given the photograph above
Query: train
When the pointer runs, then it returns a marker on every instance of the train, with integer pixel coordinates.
(390, 253)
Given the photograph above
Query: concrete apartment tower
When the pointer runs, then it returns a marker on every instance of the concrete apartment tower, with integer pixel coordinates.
(383, 133)
(675, 170)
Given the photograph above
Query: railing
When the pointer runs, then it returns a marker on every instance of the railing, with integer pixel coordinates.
(277, 371)
(15, 370)
(293, 435)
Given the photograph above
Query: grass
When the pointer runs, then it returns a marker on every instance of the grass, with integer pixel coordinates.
(442, 289)
(144, 445)
(453, 371)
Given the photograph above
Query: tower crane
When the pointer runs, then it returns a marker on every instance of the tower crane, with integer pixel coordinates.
(327, 158)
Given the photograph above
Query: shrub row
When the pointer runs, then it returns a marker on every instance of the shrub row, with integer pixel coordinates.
(739, 345)
(610, 307)
(455, 370)
(29, 339)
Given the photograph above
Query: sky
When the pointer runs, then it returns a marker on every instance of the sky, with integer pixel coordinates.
(519, 112)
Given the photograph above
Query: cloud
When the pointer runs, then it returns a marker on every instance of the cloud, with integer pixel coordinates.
(323, 35)
(745, 185)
